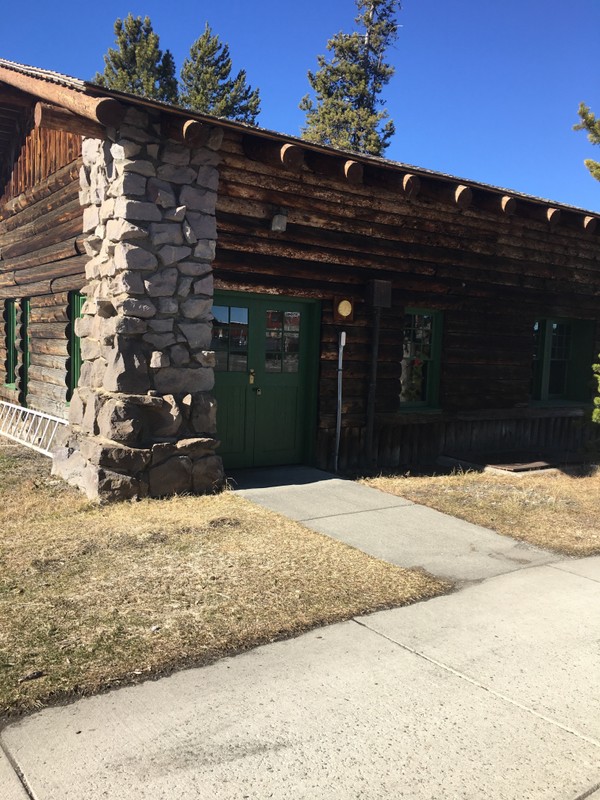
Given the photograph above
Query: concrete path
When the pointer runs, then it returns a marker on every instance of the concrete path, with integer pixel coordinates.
(386, 526)
(490, 692)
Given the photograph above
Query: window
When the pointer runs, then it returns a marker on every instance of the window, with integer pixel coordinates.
(421, 343)
(562, 359)
(76, 301)
(230, 338)
(25, 311)
(10, 343)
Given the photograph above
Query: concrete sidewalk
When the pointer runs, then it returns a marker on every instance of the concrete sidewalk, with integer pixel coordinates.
(388, 527)
(493, 691)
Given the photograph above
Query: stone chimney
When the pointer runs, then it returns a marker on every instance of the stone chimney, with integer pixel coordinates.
(143, 421)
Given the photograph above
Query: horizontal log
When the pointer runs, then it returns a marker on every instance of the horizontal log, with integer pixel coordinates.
(75, 281)
(49, 301)
(41, 391)
(44, 255)
(63, 268)
(104, 110)
(49, 330)
(55, 118)
(60, 232)
(192, 132)
(288, 155)
(49, 313)
(46, 375)
(54, 347)
(63, 213)
(63, 177)
(49, 361)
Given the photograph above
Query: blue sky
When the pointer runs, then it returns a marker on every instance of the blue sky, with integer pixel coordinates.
(483, 90)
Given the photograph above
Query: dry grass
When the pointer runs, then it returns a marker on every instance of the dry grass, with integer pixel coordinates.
(93, 597)
(553, 510)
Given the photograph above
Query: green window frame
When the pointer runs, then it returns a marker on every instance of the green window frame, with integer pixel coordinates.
(562, 360)
(420, 358)
(25, 314)
(10, 343)
(74, 311)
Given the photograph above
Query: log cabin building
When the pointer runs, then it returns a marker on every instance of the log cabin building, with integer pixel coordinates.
(344, 310)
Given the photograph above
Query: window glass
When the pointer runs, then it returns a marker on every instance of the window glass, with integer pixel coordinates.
(419, 354)
(230, 338)
(10, 343)
(562, 358)
(282, 341)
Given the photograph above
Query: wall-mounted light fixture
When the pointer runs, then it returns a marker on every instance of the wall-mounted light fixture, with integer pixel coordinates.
(279, 221)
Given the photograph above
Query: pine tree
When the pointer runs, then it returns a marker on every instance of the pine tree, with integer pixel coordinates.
(347, 112)
(138, 65)
(206, 85)
(590, 124)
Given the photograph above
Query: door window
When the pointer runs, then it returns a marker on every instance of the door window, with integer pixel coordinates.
(282, 343)
(230, 338)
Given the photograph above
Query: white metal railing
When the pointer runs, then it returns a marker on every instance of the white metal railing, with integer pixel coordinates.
(34, 429)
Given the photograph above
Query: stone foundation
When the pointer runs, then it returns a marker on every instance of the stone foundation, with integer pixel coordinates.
(143, 421)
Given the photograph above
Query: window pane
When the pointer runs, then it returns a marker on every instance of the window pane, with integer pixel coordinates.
(291, 350)
(416, 355)
(230, 338)
(274, 341)
(238, 340)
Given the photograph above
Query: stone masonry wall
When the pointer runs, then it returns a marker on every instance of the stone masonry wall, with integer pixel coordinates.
(143, 420)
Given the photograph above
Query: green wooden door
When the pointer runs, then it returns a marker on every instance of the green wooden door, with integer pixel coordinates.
(267, 357)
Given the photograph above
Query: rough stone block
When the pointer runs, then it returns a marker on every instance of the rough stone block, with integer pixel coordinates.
(132, 307)
(178, 155)
(90, 150)
(136, 210)
(123, 149)
(177, 175)
(159, 359)
(131, 256)
(119, 230)
(196, 199)
(184, 286)
(171, 477)
(197, 334)
(188, 234)
(203, 157)
(194, 268)
(163, 283)
(126, 370)
(160, 341)
(76, 409)
(175, 214)
(161, 325)
(128, 283)
(206, 358)
(205, 249)
(105, 453)
(161, 192)
(166, 233)
(120, 421)
(167, 305)
(170, 254)
(208, 178)
(180, 355)
(208, 475)
(183, 380)
(202, 412)
(205, 286)
(130, 326)
(91, 218)
(196, 308)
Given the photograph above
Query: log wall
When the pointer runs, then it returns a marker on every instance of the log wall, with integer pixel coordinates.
(42, 259)
(491, 275)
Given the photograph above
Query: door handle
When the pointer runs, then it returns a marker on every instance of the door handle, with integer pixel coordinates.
(251, 376)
